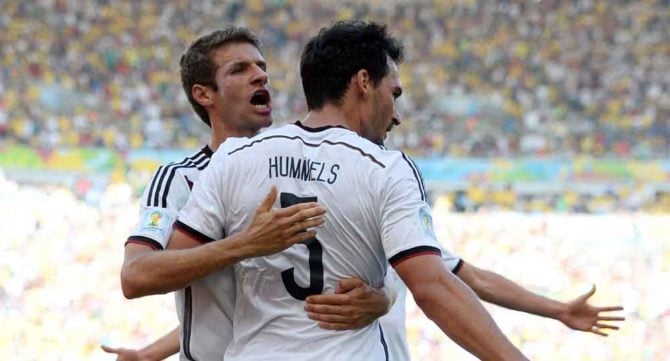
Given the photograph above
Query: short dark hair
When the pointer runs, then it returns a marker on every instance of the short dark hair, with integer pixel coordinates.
(196, 66)
(332, 57)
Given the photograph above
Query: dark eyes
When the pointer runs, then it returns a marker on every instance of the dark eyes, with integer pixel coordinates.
(242, 67)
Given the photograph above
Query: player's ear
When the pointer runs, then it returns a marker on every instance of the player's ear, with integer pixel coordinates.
(361, 82)
(202, 94)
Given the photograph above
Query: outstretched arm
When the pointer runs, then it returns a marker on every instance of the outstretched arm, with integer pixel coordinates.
(576, 314)
(455, 308)
(271, 231)
(160, 349)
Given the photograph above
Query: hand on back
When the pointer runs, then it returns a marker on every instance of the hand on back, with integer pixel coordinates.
(353, 305)
(274, 230)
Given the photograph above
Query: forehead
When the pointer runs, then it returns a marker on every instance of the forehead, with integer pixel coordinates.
(239, 52)
(393, 67)
(392, 75)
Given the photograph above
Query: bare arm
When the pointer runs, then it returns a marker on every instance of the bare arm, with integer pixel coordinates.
(455, 308)
(271, 230)
(576, 314)
(160, 349)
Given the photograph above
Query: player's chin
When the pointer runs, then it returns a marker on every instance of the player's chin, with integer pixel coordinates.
(262, 122)
(378, 140)
(266, 121)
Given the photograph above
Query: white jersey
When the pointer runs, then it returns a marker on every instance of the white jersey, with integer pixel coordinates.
(377, 213)
(204, 311)
(393, 323)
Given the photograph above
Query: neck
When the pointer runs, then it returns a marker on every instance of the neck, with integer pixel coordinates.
(221, 131)
(331, 115)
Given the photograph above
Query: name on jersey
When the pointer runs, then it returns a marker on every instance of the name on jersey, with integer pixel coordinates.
(302, 168)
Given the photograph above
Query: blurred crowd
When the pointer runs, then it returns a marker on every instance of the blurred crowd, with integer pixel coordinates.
(478, 197)
(60, 259)
(482, 78)
(60, 293)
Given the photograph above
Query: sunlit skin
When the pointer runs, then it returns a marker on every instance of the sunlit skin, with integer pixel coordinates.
(241, 74)
(384, 115)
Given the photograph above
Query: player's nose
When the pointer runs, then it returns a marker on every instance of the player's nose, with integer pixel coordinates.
(395, 120)
(260, 76)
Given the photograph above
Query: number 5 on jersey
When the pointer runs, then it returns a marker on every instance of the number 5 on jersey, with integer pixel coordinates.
(315, 258)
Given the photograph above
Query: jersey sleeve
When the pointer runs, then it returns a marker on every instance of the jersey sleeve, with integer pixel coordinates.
(451, 261)
(161, 201)
(406, 220)
(203, 215)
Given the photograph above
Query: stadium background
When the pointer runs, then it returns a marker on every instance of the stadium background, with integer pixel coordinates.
(542, 128)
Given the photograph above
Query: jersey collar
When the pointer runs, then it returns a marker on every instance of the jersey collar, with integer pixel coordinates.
(207, 151)
(317, 129)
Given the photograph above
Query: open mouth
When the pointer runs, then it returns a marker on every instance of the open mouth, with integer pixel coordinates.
(261, 99)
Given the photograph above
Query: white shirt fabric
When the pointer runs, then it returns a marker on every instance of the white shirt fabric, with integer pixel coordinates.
(377, 214)
(205, 307)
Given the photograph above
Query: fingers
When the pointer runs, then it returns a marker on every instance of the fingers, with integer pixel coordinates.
(336, 326)
(269, 200)
(330, 318)
(588, 294)
(348, 284)
(307, 224)
(301, 237)
(109, 349)
(604, 325)
(302, 211)
(598, 332)
(599, 326)
(321, 303)
(609, 309)
(611, 318)
(332, 321)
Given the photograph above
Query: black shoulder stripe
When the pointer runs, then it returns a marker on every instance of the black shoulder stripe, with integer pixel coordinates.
(413, 252)
(153, 197)
(203, 164)
(417, 175)
(154, 184)
(198, 164)
(155, 193)
(359, 150)
(159, 186)
(418, 171)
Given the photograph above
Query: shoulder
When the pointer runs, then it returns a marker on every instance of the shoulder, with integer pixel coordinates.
(198, 159)
(403, 172)
(240, 145)
(392, 161)
(404, 164)
(160, 187)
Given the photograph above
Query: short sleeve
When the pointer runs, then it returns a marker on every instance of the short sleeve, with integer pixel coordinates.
(406, 220)
(160, 203)
(451, 261)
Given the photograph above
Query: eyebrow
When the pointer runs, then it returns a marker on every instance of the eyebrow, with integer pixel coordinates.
(238, 65)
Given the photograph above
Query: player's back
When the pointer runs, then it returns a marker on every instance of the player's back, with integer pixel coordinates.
(346, 174)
